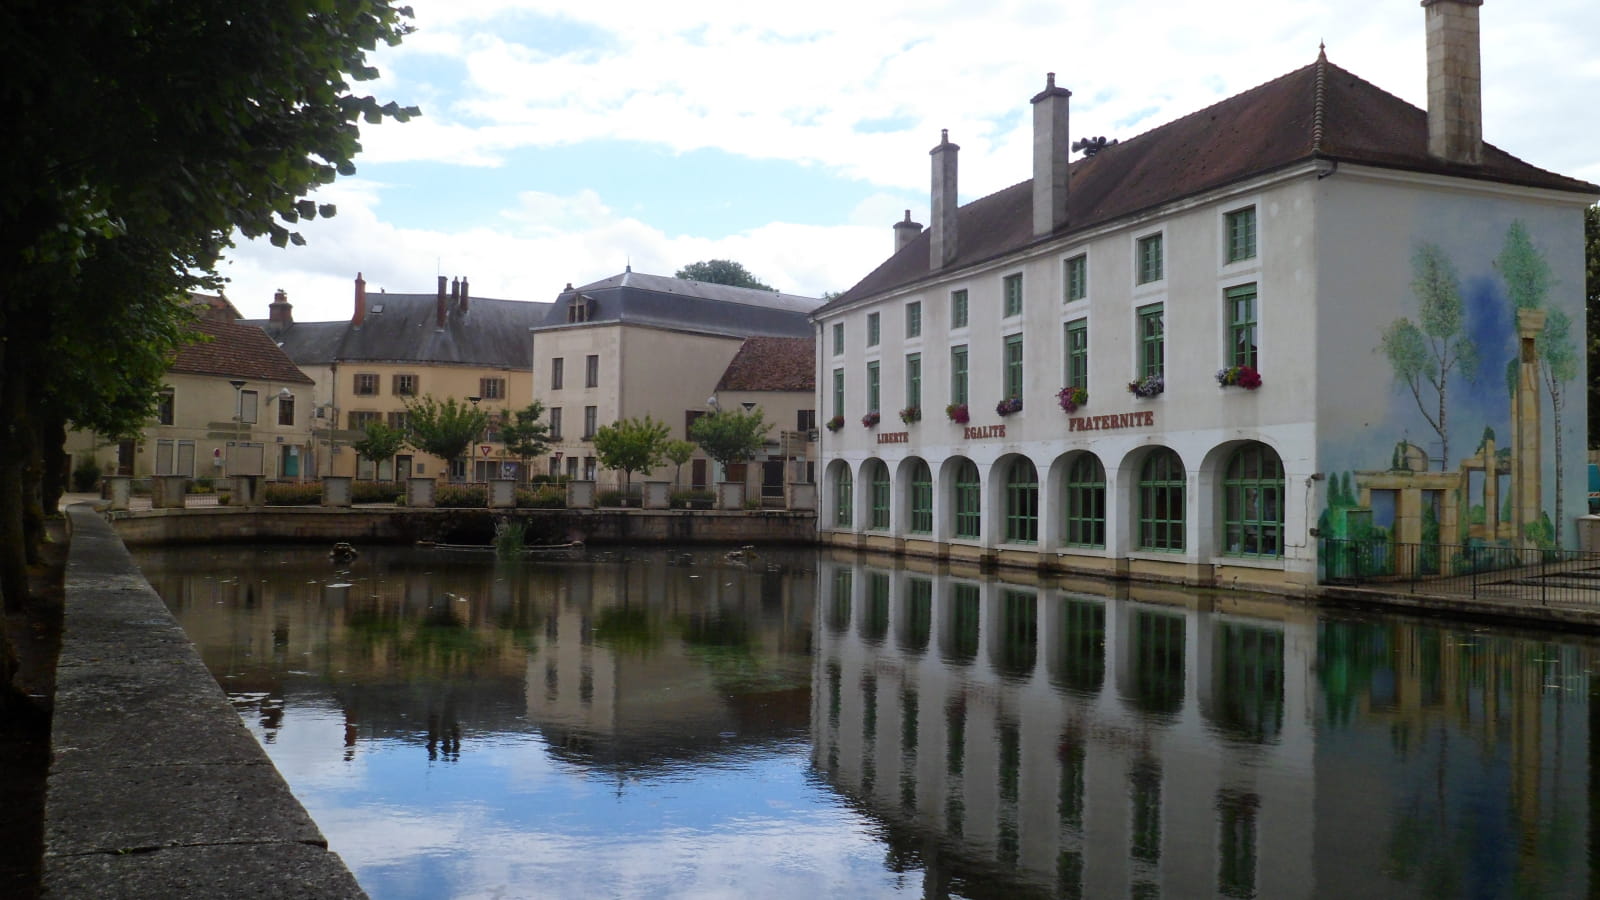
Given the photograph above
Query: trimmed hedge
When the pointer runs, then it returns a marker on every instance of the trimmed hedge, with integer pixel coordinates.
(543, 498)
(289, 494)
(461, 496)
(376, 492)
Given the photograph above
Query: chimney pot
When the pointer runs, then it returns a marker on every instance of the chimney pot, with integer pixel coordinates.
(905, 231)
(463, 293)
(281, 312)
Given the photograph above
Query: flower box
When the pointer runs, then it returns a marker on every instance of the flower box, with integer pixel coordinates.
(957, 413)
(1008, 406)
(1239, 376)
(1071, 398)
(871, 419)
(1148, 386)
(911, 414)
(835, 423)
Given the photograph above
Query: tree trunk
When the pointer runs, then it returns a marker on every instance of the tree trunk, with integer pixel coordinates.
(13, 552)
(53, 449)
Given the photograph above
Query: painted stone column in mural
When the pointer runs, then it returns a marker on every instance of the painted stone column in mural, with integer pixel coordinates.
(1526, 486)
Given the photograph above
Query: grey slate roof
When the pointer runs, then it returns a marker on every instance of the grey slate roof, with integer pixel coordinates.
(634, 298)
(403, 328)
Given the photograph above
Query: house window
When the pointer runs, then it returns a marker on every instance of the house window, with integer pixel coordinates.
(285, 409)
(1241, 228)
(555, 423)
(366, 384)
(872, 329)
(580, 309)
(590, 418)
(1022, 502)
(838, 392)
(492, 388)
(1013, 366)
(1012, 290)
(1152, 341)
(164, 406)
(921, 498)
(914, 380)
(360, 420)
(591, 371)
(1242, 325)
(558, 373)
(399, 421)
(405, 385)
(1075, 277)
(690, 416)
(1078, 354)
(1151, 265)
(958, 374)
(1085, 502)
(588, 468)
(247, 407)
(1252, 502)
(913, 320)
(968, 506)
(805, 420)
(880, 496)
(842, 500)
(872, 386)
(838, 338)
(958, 309)
(1161, 495)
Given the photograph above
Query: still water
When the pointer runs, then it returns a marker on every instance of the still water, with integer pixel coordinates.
(649, 723)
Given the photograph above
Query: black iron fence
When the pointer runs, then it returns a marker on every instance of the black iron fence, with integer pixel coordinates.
(1511, 574)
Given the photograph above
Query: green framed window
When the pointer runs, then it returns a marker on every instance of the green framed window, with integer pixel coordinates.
(1248, 661)
(966, 614)
(843, 497)
(921, 498)
(1022, 502)
(914, 319)
(1077, 345)
(1252, 503)
(1084, 508)
(958, 309)
(1075, 277)
(968, 505)
(838, 392)
(1079, 656)
(1019, 633)
(1162, 487)
(873, 385)
(916, 628)
(1151, 263)
(838, 338)
(1236, 843)
(1152, 341)
(1013, 363)
(914, 379)
(879, 492)
(1241, 228)
(874, 628)
(1011, 289)
(1241, 301)
(958, 374)
(874, 329)
(1159, 649)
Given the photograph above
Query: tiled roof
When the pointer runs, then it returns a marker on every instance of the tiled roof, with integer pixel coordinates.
(772, 364)
(404, 328)
(1320, 111)
(635, 298)
(237, 351)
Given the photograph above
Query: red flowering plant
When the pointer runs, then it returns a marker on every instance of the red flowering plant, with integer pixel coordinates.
(871, 419)
(1008, 406)
(957, 412)
(835, 423)
(911, 414)
(1071, 398)
(1239, 376)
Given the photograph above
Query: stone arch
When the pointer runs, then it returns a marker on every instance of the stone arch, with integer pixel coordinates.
(914, 497)
(875, 496)
(839, 490)
(960, 488)
(1080, 514)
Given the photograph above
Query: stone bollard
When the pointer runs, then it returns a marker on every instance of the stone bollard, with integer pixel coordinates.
(580, 495)
(730, 495)
(419, 492)
(657, 495)
(119, 489)
(502, 493)
(169, 491)
(802, 496)
(336, 490)
(247, 490)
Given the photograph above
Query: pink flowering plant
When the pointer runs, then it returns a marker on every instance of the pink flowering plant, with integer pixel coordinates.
(871, 419)
(835, 423)
(1148, 386)
(911, 414)
(1071, 398)
(957, 413)
(1239, 376)
(1008, 406)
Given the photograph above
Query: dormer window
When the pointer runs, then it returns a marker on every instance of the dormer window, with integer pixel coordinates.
(580, 309)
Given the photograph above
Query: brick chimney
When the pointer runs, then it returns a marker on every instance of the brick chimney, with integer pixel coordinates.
(463, 306)
(942, 243)
(439, 306)
(1455, 82)
(1050, 151)
(281, 312)
(361, 301)
(905, 232)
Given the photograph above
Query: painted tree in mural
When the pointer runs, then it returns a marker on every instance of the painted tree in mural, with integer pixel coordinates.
(1527, 278)
(1424, 355)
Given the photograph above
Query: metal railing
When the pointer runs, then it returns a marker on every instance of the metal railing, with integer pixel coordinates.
(1507, 574)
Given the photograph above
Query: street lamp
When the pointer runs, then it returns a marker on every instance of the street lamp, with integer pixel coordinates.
(238, 418)
(470, 453)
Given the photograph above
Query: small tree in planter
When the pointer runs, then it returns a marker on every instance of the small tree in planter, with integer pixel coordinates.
(678, 453)
(380, 444)
(731, 436)
(523, 434)
(631, 445)
(445, 429)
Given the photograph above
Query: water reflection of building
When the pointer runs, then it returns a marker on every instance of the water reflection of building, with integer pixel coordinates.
(1068, 744)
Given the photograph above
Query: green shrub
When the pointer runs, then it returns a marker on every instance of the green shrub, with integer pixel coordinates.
(752, 503)
(199, 486)
(224, 498)
(691, 499)
(85, 475)
(543, 498)
(376, 492)
(461, 496)
(610, 498)
(291, 494)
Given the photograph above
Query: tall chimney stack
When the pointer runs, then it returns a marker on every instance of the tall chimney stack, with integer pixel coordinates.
(905, 232)
(361, 301)
(463, 293)
(455, 291)
(281, 312)
(942, 243)
(439, 307)
(1455, 81)
(1050, 151)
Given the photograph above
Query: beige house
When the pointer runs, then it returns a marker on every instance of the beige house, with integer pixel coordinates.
(634, 345)
(233, 403)
(778, 376)
(399, 347)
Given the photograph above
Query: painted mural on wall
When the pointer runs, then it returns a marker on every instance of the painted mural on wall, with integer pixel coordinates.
(1494, 361)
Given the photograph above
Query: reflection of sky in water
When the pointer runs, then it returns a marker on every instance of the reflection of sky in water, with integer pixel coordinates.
(508, 821)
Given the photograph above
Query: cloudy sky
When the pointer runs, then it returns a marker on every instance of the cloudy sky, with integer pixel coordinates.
(560, 142)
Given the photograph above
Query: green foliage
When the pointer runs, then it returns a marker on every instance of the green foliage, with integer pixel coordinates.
(85, 474)
(1523, 267)
(631, 445)
(523, 434)
(445, 429)
(375, 492)
(461, 496)
(610, 498)
(1424, 356)
(381, 442)
(722, 271)
(290, 494)
(677, 452)
(692, 499)
(508, 539)
(730, 436)
(543, 498)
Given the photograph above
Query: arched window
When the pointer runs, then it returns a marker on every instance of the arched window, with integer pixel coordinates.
(1085, 502)
(921, 498)
(1161, 494)
(1022, 502)
(878, 488)
(842, 501)
(968, 505)
(1252, 502)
